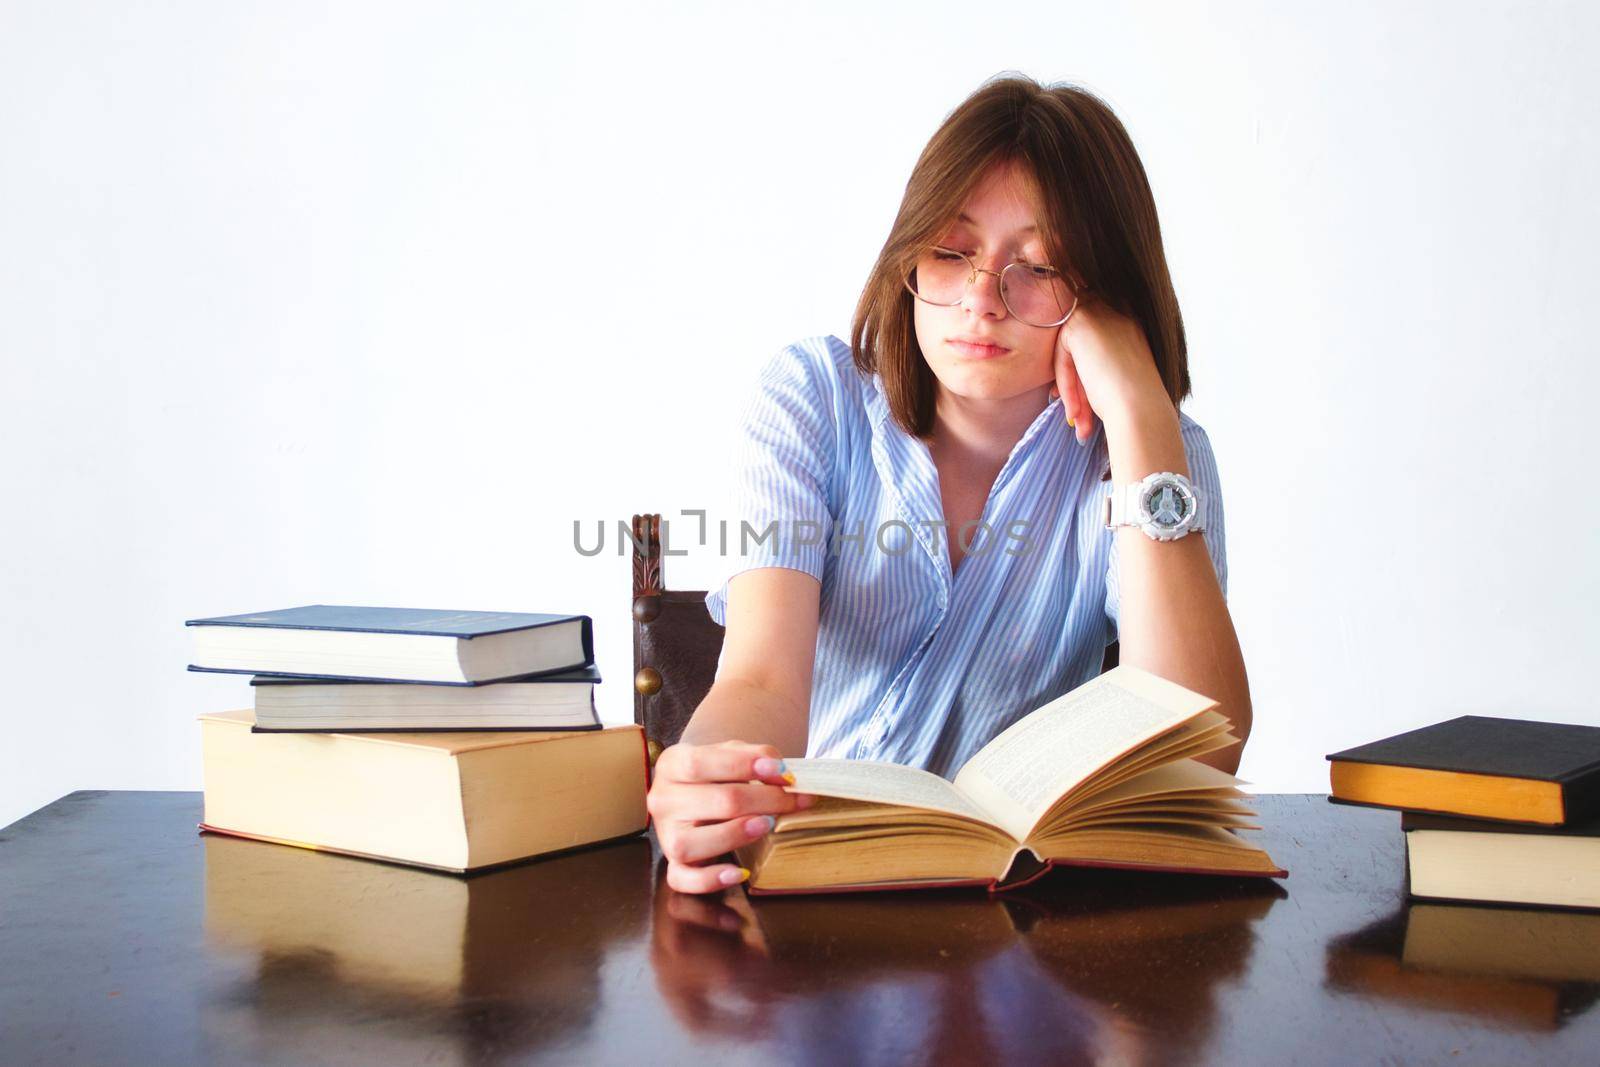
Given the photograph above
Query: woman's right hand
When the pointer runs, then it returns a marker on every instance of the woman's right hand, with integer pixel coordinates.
(708, 799)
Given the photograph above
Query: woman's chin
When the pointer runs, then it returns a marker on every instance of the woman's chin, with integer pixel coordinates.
(974, 384)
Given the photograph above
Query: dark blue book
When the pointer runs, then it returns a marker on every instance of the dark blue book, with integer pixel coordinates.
(563, 700)
(417, 645)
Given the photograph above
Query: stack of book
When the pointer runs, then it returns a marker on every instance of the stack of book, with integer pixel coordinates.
(456, 740)
(1493, 810)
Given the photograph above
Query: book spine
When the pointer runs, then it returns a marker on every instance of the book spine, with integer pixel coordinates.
(1580, 798)
(996, 886)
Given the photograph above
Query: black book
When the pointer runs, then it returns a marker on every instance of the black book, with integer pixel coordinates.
(1478, 766)
(335, 641)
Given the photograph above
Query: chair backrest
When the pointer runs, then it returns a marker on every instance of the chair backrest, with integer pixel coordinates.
(676, 644)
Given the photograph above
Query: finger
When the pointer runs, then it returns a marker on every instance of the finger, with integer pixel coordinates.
(1071, 391)
(1080, 415)
(719, 801)
(1085, 423)
(769, 765)
(713, 879)
(716, 803)
(1063, 359)
(711, 763)
(772, 769)
(758, 749)
(696, 844)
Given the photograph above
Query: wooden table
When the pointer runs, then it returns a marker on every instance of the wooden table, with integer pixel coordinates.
(128, 937)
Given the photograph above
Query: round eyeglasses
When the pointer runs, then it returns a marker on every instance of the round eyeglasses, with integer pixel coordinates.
(1034, 293)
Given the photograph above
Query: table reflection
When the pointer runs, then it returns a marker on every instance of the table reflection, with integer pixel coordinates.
(459, 969)
(1076, 968)
(1158, 947)
(1516, 968)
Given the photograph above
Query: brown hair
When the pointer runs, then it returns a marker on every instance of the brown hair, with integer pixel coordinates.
(1097, 221)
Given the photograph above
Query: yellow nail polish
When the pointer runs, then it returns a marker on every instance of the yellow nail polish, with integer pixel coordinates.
(744, 875)
(1070, 422)
(788, 776)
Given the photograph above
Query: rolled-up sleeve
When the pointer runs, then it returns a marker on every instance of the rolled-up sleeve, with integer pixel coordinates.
(785, 488)
(1203, 473)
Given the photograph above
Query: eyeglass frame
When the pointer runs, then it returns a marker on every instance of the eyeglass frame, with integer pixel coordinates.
(905, 279)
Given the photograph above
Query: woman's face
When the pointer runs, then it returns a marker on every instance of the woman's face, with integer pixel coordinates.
(1002, 229)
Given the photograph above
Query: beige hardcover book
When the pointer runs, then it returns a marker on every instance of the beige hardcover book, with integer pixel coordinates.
(1103, 776)
(451, 801)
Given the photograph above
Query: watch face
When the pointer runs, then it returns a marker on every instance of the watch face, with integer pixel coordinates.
(1168, 505)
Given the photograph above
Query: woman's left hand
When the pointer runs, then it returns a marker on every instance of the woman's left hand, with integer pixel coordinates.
(1103, 366)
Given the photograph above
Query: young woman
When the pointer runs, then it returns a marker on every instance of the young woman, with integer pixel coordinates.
(937, 561)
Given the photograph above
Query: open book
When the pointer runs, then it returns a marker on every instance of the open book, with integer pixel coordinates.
(1102, 776)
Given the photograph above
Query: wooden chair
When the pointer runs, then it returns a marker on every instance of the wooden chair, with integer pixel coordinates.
(676, 644)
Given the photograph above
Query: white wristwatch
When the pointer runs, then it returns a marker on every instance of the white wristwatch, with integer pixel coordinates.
(1165, 505)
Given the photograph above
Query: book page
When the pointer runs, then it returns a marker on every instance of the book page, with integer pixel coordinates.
(887, 783)
(1024, 770)
(1186, 776)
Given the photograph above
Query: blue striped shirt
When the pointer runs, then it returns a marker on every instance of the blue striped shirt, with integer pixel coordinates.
(912, 667)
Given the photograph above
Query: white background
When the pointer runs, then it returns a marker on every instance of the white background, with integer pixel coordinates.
(292, 311)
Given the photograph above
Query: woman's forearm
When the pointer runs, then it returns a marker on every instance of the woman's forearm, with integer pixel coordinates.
(739, 710)
(1173, 619)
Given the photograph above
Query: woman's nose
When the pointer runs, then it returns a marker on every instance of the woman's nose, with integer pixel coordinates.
(983, 294)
